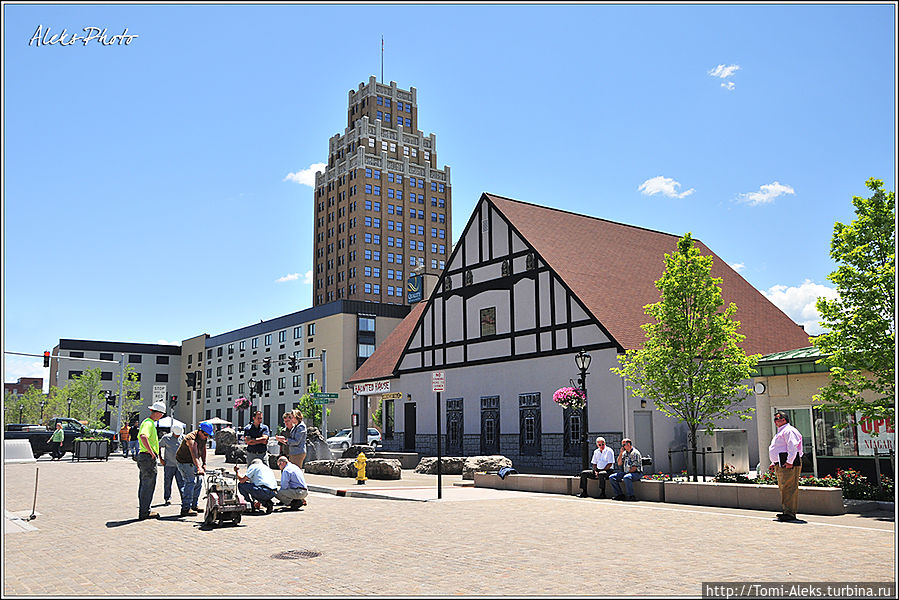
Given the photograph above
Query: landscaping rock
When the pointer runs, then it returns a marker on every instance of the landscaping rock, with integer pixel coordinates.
(383, 468)
(236, 455)
(344, 467)
(483, 463)
(318, 467)
(224, 439)
(316, 447)
(353, 451)
(451, 465)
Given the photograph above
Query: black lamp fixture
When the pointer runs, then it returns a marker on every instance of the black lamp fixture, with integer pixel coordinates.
(69, 413)
(582, 362)
(21, 408)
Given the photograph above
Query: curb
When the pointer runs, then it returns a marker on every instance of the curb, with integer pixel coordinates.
(868, 506)
(359, 494)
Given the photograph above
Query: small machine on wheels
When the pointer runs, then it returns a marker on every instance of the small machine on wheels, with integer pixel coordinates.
(223, 503)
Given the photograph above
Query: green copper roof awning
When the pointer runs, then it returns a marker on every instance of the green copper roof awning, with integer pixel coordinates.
(791, 362)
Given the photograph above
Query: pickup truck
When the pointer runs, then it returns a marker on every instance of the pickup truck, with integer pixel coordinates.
(39, 437)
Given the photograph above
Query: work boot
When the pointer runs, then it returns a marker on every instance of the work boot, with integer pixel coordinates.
(149, 515)
(188, 512)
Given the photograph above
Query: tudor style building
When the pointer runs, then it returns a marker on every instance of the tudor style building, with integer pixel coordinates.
(524, 290)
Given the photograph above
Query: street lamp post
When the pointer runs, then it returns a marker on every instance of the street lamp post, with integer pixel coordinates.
(21, 408)
(69, 413)
(582, 361)
(42, 412)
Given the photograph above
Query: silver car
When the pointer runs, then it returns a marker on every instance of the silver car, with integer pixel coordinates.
(344, 438)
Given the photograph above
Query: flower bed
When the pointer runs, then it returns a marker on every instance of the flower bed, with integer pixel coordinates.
(855, 486)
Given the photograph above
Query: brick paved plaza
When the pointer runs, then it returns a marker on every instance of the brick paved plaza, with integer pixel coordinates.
(87, 542)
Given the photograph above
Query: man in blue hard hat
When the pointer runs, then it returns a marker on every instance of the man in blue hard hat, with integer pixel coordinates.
(191, 457)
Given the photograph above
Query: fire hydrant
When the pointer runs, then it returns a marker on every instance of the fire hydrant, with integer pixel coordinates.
(360, 468)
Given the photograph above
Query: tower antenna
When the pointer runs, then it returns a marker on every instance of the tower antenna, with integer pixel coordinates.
(382, 59)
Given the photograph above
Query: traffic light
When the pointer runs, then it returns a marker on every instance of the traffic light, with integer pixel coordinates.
(110, 400)
(267, 366)
(174, 401)
(192, 379)
(46, 358)
(292, 364)
(258, 388)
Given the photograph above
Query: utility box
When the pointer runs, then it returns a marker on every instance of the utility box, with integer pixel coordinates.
(736, 450)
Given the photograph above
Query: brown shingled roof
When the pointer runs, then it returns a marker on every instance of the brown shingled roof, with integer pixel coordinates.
(383, 361)
(614, 274)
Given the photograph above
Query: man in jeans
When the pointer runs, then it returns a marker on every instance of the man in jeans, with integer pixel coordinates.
(631, 463)
(256, 436)
(146, 460)
(191, 457)
(258, 486)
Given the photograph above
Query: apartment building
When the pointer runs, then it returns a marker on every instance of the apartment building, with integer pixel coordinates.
(345, 332)
(154, 365)
(382, 205)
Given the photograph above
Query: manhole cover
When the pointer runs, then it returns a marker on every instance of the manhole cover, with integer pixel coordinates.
(295, 554)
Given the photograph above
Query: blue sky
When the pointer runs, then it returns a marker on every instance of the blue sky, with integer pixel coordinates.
(153, 190)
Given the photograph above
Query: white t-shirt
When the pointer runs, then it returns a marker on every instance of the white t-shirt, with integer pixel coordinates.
(603, 457)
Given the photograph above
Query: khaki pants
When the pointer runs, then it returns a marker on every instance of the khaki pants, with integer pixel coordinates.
(297, 459)
(788, 483)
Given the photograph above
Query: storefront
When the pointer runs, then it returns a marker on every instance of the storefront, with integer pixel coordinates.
(831, 439)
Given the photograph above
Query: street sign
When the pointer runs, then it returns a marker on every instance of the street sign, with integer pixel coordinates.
(322, 401)
(391, 396)
(323, 395)
(438, 381)
(159, 393)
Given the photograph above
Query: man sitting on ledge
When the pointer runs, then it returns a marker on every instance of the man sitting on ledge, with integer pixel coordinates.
(603, 464)
(631, 463)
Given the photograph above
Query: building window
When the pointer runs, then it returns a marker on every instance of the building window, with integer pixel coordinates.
(268, 339)
(255, 343)
(282, 336)
(108, 356)
(106, 376)
(74, 374)
(488, 321)
(297, 382)
(490, 425)
(297, 332)
(366, 350)
(310, 379)
(134, 358)
(231, 369)
(241, 367)
(529, 432)
(282, 383)
(218, 371)
(242, 345)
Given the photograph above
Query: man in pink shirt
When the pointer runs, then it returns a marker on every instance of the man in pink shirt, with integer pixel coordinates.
(785, 453)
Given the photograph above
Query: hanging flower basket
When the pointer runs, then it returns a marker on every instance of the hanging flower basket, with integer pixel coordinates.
(241, 403)
(569, 397)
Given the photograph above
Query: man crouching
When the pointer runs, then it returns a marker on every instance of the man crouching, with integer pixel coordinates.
(293, 486)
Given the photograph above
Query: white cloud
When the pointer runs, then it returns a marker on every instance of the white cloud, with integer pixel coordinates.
(663, 185)
(307, 278)
(799, 303)
(306, 176)
(167, 343)
(738, 267)
(724, 72)
(766, 194)
(729, 86)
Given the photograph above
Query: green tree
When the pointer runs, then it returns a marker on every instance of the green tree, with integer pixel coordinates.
(129, 385)
(30, 402)
(691, 363)
(309, 408)
(84, 392)
(861, 343)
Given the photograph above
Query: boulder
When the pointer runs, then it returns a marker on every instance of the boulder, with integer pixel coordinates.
(353, 451)
(236, 454)
(383, 468)
(344, 467)
(316, 447)
(450, 465)
(224, 439)
(318, 467)
(483, 463)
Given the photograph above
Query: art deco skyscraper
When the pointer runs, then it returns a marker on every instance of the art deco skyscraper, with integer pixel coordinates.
(382, 207)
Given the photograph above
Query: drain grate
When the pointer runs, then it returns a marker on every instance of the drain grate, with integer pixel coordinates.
(295, 554)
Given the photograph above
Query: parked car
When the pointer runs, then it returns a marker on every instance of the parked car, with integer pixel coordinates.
(344, 438)
(39, 436)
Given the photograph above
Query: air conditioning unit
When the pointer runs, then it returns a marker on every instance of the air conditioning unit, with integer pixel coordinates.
(736, 450)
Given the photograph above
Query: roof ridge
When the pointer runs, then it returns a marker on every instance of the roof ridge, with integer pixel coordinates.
(575, 214)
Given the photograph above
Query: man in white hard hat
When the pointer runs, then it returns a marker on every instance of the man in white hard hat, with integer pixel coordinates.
(168, 445)
(146, 460)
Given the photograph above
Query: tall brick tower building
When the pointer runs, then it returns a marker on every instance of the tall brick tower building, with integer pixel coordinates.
(382, 206)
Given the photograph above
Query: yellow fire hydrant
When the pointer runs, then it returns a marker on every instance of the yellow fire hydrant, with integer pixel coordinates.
(360, 468)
